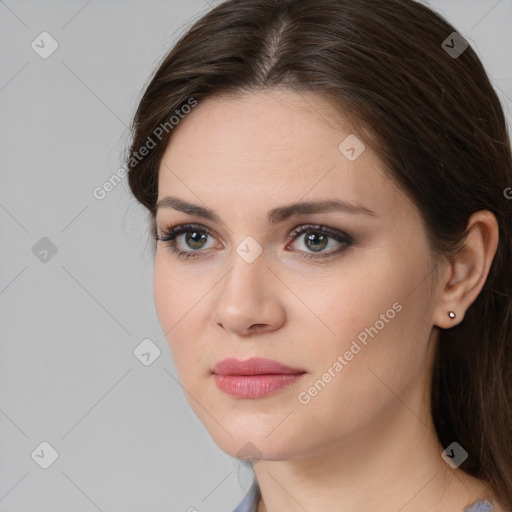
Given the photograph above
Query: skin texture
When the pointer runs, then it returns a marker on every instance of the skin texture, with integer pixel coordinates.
(366, 440)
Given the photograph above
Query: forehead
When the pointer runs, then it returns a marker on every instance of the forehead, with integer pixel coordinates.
(269, 148)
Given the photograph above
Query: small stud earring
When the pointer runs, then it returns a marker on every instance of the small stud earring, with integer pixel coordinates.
(451, 314)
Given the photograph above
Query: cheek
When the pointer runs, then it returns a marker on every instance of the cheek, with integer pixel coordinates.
(357, 376)
(375, 318)
(171, 299)
(180, 306)
(335, 309)
(175, 293)
(164, 294)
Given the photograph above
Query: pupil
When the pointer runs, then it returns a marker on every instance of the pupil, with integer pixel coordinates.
(316, 239)
(189, 237)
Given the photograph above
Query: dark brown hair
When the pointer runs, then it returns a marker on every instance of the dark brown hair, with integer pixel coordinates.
(435, 121)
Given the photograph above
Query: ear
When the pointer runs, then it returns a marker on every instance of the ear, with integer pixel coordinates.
(467, 271)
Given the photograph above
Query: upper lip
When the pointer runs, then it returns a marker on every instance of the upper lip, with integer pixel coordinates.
(253, 366)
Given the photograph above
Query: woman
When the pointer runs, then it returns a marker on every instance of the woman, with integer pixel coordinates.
(330, 188)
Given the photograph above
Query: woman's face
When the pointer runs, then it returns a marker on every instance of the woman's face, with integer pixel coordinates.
(346, 303)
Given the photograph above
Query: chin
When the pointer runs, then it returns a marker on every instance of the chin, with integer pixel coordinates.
(253, 442)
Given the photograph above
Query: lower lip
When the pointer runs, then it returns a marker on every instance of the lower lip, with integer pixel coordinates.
(255, 386)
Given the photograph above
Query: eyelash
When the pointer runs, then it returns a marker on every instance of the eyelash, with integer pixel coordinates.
(168, 236)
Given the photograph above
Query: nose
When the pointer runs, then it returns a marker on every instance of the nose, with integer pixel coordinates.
(249, 300)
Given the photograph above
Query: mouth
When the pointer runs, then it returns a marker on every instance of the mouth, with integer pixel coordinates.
(255, 377)
(254, 366)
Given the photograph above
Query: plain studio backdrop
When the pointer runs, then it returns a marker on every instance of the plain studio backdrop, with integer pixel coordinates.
(88, 387)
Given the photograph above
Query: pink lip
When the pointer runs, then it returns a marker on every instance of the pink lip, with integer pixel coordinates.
(253, 366)
(255, 377)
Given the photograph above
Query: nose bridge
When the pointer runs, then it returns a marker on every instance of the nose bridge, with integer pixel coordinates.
(248, 266)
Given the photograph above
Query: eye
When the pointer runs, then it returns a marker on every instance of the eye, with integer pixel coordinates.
(195, 238)
(315, 238)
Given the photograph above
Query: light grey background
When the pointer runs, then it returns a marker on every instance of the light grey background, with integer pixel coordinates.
(126, 437)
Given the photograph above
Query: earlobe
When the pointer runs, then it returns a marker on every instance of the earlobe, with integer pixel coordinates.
(468, 270)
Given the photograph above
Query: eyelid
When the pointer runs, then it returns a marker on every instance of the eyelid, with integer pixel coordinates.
(341, 237)
(293, 232)
(175, 230)
(304, 227)
(178, 229)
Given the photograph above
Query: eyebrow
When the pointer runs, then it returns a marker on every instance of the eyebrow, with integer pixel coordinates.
(275, 215)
